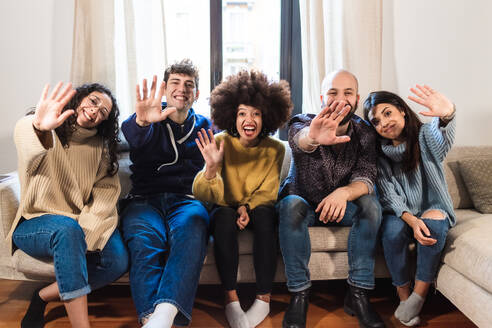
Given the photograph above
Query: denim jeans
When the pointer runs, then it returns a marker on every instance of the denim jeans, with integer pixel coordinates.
(167, 238)
(62, 239)
(397, 235)
(296, 215)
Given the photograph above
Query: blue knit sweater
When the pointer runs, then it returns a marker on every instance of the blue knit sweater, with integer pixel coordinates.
(424, 188)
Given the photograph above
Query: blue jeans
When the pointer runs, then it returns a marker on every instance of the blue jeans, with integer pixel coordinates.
(296, 215)
(397, 235)
(62, 239)
(167, 238)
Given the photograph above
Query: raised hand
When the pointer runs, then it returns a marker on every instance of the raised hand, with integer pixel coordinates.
(148, 107)
(211, 154)
(437, 103)
(324, 126)
(48, 115)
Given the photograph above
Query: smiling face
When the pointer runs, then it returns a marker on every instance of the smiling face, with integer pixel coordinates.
(180, 91)
(341, 86)
(248, 124)
(389, 122)
(93, 109)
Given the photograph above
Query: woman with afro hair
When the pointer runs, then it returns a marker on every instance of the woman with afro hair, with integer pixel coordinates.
(241, 177)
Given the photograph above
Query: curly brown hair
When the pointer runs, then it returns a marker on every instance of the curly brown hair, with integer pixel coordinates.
(108, 129)
(251, 89)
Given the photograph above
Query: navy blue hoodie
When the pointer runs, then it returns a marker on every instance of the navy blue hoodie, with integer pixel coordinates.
(164, 155)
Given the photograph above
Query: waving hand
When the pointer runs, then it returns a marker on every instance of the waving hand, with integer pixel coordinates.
(48, 115)
(324, 126)
(148, 107)
(437, 103)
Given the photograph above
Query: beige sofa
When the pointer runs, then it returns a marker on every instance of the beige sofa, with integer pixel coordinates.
(465, 277)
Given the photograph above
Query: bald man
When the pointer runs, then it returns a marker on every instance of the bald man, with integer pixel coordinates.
(331, 183)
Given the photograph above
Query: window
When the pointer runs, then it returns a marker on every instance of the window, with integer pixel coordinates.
(221, 37)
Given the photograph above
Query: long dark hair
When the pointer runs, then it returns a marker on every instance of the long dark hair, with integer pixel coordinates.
(108, 129)
(410, 133)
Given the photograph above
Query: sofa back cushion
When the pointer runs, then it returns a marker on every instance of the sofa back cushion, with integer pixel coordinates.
(457, 188)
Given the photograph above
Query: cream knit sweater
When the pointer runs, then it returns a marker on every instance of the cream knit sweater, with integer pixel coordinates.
(70, 181)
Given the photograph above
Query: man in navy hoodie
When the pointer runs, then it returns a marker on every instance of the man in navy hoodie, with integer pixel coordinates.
(165, 228)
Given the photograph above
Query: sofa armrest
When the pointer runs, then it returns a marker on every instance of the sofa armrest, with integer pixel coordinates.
(9, 202)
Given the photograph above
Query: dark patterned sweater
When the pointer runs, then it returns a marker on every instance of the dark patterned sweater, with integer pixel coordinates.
(313, 176)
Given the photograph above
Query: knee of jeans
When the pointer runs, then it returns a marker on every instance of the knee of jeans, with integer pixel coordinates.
(70, 233)
(370, 208)
(433, 215)
(438, 228)
(393, 232)
(292, 210)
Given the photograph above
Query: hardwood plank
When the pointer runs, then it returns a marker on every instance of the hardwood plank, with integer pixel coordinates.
(112, 306)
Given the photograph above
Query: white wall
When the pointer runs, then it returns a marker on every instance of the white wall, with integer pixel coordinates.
(448, 45)
(36, 48)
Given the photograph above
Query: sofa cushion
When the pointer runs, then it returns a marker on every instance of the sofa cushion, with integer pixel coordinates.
(456, 186)
(468, 247)
(477, 174)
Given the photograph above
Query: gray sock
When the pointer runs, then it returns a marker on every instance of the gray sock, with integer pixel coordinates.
(410, 308)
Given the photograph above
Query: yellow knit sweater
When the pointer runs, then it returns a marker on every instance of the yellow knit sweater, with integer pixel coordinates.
(69, 181)
(249, 175)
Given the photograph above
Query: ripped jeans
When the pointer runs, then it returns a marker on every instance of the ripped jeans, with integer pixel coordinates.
(397, 235)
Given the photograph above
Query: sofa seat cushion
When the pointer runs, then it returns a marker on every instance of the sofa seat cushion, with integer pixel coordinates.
(323, 239)
(469, 246)
(31, 266)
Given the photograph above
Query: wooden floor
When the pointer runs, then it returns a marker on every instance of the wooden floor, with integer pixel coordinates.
(112, 306)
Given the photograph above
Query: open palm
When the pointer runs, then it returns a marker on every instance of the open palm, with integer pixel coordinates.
(324, 126)
(437, 103)
(212, 154)
(148, 107)
(49, 112)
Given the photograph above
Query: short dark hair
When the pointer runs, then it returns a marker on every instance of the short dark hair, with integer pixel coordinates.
(411, 157)
(184, 66)
(251, 89)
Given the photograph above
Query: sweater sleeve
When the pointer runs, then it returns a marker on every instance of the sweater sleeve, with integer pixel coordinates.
(439, 139)
(30, 150)
(390, 194)
(100, 213)
(211, 191)
(267, 193)
(136, 135)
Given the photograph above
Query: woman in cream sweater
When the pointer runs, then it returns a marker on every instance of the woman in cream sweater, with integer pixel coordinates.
(69, 188)
(241, 177)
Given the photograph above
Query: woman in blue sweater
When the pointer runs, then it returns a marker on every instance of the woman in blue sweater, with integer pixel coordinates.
(413, 191)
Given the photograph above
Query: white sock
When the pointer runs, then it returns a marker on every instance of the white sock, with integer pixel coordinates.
(163, 316)
(257, 312)
(235, 315)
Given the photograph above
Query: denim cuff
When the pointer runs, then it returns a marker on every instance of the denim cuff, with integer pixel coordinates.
(75, 293)
(360, 285)
(299, 288)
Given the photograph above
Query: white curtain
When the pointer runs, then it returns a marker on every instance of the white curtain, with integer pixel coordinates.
(118, 43)
(93, 57)
(340, 34)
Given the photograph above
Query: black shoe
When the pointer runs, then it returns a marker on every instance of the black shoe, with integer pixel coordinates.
(295, 316)
(357, 303)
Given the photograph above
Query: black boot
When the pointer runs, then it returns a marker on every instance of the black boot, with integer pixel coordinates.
(295, 316)
(357, 303)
